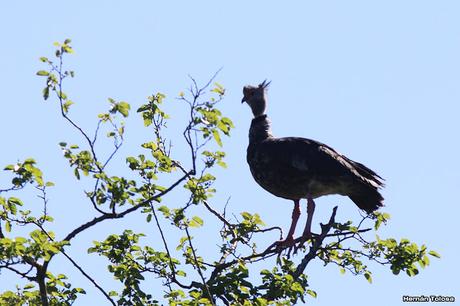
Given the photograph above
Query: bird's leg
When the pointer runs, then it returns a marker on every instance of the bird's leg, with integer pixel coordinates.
(310, 210)
(295, 217)
(289, 240)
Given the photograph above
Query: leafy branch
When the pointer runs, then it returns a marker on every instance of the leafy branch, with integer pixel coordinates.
(190, 275)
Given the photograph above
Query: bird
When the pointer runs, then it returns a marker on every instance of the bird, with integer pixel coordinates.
(296, 168)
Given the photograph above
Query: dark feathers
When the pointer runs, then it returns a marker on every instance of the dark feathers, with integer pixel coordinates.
(294, 167)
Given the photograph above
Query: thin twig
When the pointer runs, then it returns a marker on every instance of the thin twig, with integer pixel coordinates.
(74, 263)
(22, 274)
(165, 244)
(197, 264)
(215, 213)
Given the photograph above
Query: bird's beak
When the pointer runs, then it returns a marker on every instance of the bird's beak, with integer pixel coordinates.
(243, 100)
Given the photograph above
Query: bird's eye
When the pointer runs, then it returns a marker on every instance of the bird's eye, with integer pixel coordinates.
(248, 93)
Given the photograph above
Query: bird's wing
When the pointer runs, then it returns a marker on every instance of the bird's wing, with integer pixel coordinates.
(317, 159)
(358, 169)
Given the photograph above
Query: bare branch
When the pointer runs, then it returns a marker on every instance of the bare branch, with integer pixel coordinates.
(74, 263)
(197, 265)
(22, 274)
(215, 213)
(273, 228)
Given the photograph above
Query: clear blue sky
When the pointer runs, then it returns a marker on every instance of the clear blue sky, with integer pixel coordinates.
(378, 81)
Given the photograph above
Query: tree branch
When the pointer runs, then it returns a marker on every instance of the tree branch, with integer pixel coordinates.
(74, 263)
(96, 220)
(315, 246)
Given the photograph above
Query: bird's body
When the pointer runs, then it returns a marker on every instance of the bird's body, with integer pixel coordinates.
(295, 168)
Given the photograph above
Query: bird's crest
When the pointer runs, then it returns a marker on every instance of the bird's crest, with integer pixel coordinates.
(264, 84)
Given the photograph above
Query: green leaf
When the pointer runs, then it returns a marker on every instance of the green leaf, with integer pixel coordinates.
(378, 222)
(14, 201)
(165, 211)
(149, 145)
(257, 220)
(66, 105)
(133, 163)
(181, 242)
(8, 226)
(143, 108)
(38, 176)
(425, 260)
(368, 276)
(246, 215)
(312, 293)
(296, 287)
(412, 271)
(67, 49)
(46, 93)
(30, 161)
(43, 73)
(222, 164)
(216, 136)
(29, 286)
(219, 89)
(196, 222)
(9, 167)
(62, 95)
(77, 173)
(181, 273)
(434, 254)
(123, 108)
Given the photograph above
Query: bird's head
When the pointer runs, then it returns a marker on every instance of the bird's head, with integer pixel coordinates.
(255, 97)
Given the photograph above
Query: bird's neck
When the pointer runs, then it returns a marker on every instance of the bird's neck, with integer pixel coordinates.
(260, 129)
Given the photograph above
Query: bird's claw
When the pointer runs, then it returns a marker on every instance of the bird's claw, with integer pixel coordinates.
(290, 244)
(281, 245)
(301, 241)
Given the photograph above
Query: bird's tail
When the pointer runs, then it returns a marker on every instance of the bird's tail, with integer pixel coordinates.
(367, 198)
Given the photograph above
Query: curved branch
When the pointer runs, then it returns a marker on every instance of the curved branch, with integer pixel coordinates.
(96, 220)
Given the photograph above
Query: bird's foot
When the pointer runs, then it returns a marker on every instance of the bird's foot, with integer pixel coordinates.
(290, 244)
(300, 242)
(280, 245)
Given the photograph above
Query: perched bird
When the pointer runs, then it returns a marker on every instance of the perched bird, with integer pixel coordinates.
(297, 168)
